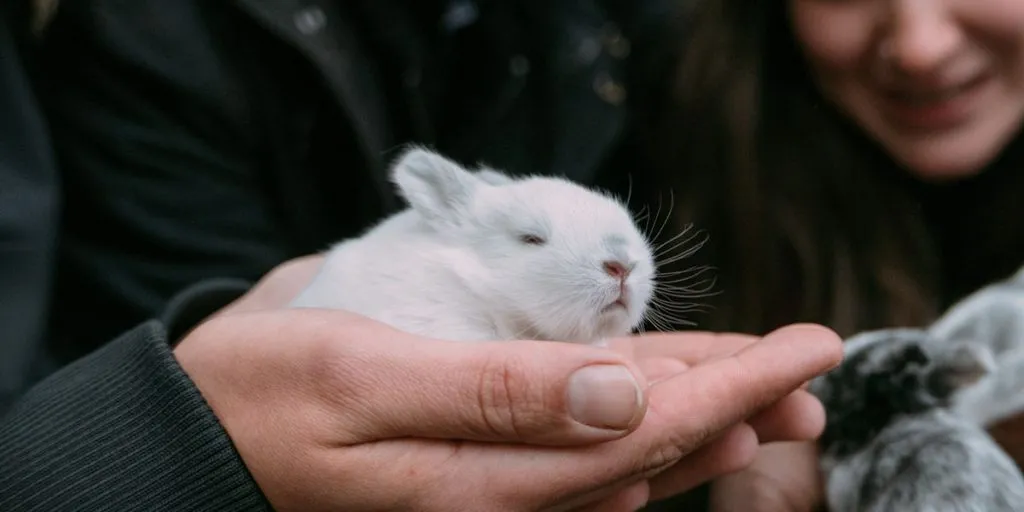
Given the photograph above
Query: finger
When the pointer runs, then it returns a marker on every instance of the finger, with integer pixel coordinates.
(797, 417)
(688, 347)
(798, 487)
(734, 450)
(660, 368)
(531, 392)
(683, 413)
(730, 389)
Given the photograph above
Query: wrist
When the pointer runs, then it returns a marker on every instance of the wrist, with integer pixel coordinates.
(194, 304)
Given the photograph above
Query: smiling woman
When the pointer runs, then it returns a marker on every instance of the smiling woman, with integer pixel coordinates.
(940, 85)
(853, 162)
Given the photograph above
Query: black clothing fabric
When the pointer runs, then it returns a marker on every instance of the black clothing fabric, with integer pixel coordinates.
(978, 225)
(205, 139)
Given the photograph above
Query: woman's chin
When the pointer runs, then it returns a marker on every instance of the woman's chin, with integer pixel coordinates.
(949, 156)
(944, 167)
(945, 173)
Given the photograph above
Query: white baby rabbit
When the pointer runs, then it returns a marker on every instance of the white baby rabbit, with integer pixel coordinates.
(890, 445)
(479, 256)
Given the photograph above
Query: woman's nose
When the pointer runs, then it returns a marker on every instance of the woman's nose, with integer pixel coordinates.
(921, 36)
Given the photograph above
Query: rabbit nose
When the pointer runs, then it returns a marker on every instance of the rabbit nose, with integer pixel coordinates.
(617, 269)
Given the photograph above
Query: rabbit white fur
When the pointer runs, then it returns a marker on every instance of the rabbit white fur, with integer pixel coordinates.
(481, 256)
(890, 444)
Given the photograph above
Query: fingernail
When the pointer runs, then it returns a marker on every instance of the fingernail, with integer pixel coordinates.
(604, 396)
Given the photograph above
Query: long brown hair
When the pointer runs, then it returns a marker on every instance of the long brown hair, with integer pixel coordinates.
(808, 221)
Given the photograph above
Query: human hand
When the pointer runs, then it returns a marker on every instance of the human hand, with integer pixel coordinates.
(333, 411)
(797, 417)
(783, 478)
(278, 287)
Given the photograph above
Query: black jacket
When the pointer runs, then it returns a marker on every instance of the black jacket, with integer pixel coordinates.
(29, 194)
(205, 139)
(200, 140)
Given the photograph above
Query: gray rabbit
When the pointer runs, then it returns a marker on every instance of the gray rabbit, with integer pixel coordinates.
(890, 441)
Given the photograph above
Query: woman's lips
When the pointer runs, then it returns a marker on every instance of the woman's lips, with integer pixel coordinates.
(934, 110)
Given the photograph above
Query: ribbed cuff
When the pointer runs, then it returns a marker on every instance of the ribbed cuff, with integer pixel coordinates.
(197, 302)
(122, 429)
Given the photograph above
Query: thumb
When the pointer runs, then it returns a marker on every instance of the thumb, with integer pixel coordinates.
(532, 392)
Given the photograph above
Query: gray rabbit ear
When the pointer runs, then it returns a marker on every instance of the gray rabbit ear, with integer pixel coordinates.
(436, 187)
(493, 177)
(1018, 276)
(957, 366)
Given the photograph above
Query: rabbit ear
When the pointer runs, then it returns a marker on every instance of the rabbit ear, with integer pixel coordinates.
(958, 366)
(492, 177)
(436, 187)
(1018, 276)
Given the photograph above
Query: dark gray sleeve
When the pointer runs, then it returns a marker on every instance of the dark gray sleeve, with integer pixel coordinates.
(124, 429)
